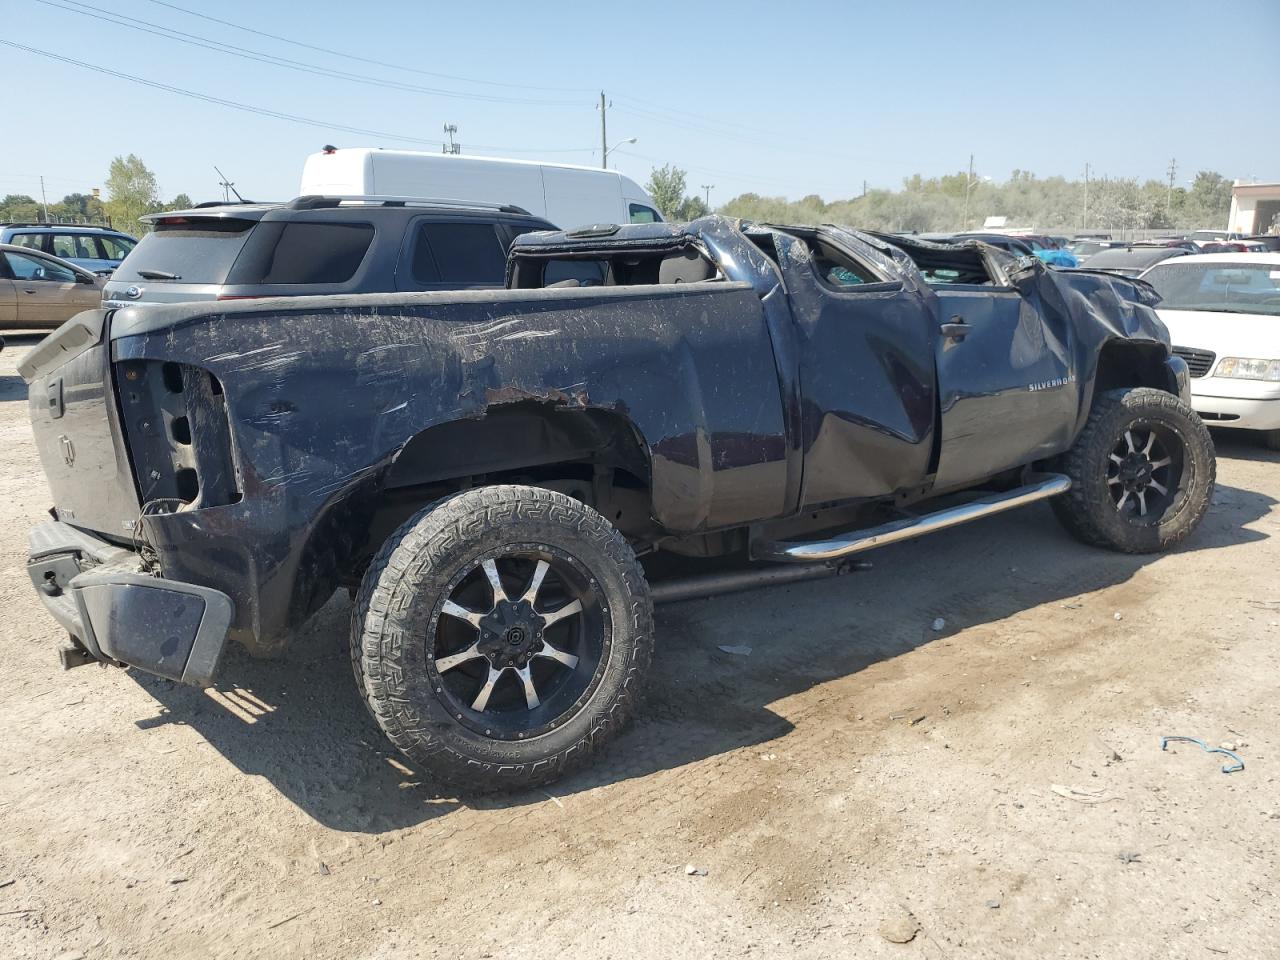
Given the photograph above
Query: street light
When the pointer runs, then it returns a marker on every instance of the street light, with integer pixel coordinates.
(605, 161)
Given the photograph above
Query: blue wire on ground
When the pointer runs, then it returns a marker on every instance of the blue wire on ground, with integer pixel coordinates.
(1227, 768)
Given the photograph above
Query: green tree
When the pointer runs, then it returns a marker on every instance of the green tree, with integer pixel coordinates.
(18, 206)
(132, 192)
(667, 185)
(691, 208)
(180, 202)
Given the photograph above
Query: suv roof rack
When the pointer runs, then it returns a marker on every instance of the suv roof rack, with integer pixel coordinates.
(319, 201)
(54, 226)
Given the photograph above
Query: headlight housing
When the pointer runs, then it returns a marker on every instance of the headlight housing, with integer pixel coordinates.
(1243, 368)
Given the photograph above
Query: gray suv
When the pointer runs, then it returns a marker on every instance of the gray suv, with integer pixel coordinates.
(318, 245)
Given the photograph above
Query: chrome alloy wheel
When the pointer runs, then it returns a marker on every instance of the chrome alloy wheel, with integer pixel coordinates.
(1144, 472)
(519, 641)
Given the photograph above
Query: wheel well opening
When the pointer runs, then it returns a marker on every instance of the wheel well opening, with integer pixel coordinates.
(1125, 363)
(594, 456)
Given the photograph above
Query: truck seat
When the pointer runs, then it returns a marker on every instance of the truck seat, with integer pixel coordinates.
(688, 266)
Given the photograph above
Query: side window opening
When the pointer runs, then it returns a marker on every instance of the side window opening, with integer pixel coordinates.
(458, 252)
(33, 241)
(33, 268)
(620, 270)
(64, 246)
(577, 273)
(327, 253)
(640, 213)
(946, 264)
(766, 244)
(836, 269)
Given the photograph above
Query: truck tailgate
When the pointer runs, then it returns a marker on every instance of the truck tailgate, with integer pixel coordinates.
(76, 423)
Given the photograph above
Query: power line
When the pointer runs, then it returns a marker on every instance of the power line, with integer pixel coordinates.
(707, 125)
(352, 56)
(265, 112)
(217, 46)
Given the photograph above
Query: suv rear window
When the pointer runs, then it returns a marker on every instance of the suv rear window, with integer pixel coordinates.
(457, 252)
(197, 250)
(327, 253)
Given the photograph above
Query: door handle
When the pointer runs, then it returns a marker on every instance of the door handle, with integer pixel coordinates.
(957, 329)
(28, 291)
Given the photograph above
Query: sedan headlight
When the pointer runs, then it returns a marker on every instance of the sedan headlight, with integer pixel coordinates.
(1242, 368)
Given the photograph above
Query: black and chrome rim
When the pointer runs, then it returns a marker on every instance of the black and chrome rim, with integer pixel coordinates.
(1145, 472)
(519, 642)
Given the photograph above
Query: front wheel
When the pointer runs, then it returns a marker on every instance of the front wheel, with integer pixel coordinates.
(1142, 472)
(501, 635)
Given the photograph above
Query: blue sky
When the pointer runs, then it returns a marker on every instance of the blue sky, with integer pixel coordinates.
(783, 98)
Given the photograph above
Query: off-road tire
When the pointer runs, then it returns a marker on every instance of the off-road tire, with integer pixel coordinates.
(1088, 510)
(401, 596)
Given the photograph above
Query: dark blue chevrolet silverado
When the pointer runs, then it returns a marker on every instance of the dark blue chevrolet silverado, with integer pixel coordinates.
(481, 469)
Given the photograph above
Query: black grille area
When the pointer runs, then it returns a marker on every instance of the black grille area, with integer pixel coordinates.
(1199, 362)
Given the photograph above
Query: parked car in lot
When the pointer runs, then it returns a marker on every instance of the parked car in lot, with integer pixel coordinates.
(1131, 261)
(1083, 249)
(318, 245)
(1223, 314)
(37, 290)
(97, 249)
(1269, 241)
(482, 468)
(1212, 236)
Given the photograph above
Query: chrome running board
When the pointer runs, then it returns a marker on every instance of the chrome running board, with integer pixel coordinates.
(845, 544)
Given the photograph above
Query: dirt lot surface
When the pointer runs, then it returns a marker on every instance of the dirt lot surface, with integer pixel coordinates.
(859, 778)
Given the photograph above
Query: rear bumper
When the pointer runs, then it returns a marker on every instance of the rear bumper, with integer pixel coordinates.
(120, 614)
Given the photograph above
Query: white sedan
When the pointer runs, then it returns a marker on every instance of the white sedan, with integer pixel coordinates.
(1223, 314)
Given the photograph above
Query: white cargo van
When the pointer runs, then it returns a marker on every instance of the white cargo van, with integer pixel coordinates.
(568, 196)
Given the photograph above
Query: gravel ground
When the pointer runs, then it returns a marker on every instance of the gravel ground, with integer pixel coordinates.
(994, 788)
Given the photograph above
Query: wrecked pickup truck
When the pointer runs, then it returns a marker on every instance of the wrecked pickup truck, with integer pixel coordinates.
(481, 469)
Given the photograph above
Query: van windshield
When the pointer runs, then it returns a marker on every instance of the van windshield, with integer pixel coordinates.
(187, 250)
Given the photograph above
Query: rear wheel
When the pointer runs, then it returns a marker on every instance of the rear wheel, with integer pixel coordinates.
(501, 635)
(1142, 472)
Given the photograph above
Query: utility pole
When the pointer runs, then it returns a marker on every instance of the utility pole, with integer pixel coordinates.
(1168, 200)
(44, 200)
(968, 188)
(227, 185)
(708, 187)
(604, 134)
(1085, 225)
(449, 130)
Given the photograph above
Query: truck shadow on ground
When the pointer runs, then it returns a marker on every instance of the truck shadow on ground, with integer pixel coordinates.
(299, 724)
